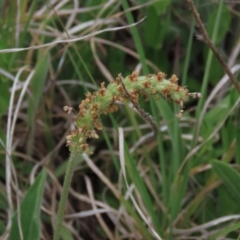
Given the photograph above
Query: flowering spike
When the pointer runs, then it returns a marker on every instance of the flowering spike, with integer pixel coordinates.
(122, 89)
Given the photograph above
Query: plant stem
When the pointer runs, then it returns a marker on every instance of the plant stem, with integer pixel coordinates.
(64, 195)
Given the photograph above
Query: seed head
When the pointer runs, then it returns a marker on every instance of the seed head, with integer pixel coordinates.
(122, 89)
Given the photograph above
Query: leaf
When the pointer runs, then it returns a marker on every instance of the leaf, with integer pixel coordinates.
(216, 71)
(2, 227)
(30, 212)
(238, 144)
(229, 176)
(155, 28)
(37, 85)
(116, 60)
(4, 96)
(225, 199)
(161, 6)
(228, 133)
(224, 23)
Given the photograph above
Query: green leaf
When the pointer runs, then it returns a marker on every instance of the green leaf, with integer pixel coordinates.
(225, 199)
(224, 23)
(216, 72)
(161, 6)
(4, 96)
(2, 227)
(238, 144)
(228, 132)
(4, 58)
(30, 211)
(155, 28)
(229, 176)
(116, 60)
(37, 85)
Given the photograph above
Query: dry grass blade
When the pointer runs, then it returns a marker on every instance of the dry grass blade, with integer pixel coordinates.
(122, 162)
(98, 216)
(70, 40)
(7, 74)
(96, 170)
(87, 213)
(128, 51)
(10, 130)
(101, 66)
(206, 225)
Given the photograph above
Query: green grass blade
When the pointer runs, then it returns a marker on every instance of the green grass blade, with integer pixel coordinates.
(209, 60)
(30, 211)
(136, 37)
(188, 55)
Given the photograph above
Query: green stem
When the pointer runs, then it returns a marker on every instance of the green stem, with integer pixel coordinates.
(64, 195)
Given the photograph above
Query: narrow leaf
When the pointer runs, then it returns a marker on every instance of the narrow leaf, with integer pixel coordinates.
(37, 85)
(30, 212)
(229, 176)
